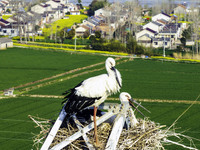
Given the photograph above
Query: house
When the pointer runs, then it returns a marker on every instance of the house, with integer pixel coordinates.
(151, 33)
(74, 12)
(161, 42)
(41, 8)
(172, 31)
(105, 30)
(103, 12)
(145, 40)
(81, 30)
(5, 43)
(7, 29)
(161, 16)
(71, 7)
(156, 26)
(180, 9)
(54, 3)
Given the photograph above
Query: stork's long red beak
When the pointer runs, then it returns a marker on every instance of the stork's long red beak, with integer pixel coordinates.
(132, 101)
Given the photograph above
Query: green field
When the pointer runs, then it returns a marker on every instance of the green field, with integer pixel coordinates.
(143, 79)
(19, 66)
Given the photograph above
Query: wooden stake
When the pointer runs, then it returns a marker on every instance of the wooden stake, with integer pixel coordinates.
(95, 126)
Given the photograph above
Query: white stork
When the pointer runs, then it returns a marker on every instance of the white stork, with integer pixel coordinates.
(127, 97)
(93, 91)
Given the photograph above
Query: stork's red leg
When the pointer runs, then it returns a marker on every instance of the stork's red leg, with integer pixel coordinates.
(95, 126)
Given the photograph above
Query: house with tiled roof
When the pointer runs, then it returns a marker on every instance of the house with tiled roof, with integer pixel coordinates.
(5, 43)
(160, 16)
(151, 33)
(41, 8)
(180, 9)
(161, 42)
(81, 30)
(54, 3)
(7, 29)
(156, 26)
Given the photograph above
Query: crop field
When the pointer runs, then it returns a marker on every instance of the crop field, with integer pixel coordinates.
(19, 66)
(154, 81)
(62, 23)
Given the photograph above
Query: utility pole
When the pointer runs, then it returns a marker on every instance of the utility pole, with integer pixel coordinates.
(75, 39)
(164, 48)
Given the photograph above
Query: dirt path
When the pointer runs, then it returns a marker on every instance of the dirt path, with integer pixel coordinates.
(58, 75)
(66, 78)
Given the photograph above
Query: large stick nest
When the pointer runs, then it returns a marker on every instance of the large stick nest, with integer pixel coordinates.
(145, 135)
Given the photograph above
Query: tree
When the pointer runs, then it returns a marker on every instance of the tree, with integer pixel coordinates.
(194, 17)
(86, 34)
(183, 41)
(95, 5)
(187, 33)
(92, 39)
(71, 34)
(97, 34)
(8, 10)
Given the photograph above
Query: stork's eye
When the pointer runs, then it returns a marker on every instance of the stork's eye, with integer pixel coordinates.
(127, 96)
(111, 64)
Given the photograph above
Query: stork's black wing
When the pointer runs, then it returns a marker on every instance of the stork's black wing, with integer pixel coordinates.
(75, 103)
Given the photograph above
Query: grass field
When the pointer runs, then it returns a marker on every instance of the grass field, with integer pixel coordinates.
(19, 66)
(143, 79)
(146, 79)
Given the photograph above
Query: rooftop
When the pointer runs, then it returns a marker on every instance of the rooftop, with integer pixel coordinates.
(5, 40)
(150, 30)
(4, 21)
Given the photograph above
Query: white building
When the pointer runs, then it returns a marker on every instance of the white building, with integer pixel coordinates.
(103, 12)
(161, 16)
(41, 8)
(147, 31)
(75, 12)
(54, 3)
(5, 43)
(6, 29)
(154, 26)
(161, 42)
(180, 9)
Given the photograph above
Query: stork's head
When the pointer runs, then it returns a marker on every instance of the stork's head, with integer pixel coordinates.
(110, 67)
(110, 62)
(124, 97)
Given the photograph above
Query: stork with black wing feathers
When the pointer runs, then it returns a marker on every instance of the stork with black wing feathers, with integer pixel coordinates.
(93, 91)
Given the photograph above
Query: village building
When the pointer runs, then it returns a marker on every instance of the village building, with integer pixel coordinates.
(5, 43)
(180, 9)
(156, 26)
(161, 16)
(41, 8)
(161, 42)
